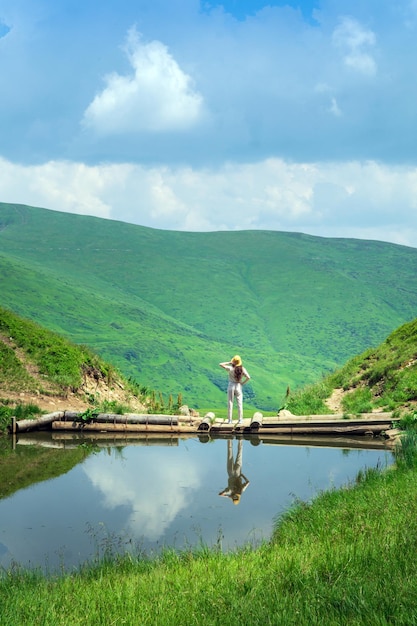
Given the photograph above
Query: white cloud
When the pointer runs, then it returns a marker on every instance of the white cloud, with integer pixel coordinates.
(164, 201)
(73, 187)
(355, 41)
(157, 96)
(350, 199)
(154, 499)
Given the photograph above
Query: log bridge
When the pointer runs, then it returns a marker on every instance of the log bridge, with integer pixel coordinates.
(375, 424)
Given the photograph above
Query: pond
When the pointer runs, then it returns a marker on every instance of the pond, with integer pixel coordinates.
(148, 493)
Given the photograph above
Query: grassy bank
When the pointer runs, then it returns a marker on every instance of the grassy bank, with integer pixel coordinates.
(347, 558)
(381, 378)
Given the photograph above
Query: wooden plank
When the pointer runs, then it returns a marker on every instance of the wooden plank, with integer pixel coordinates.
(126, 418)
(328, 429)
(115, 427)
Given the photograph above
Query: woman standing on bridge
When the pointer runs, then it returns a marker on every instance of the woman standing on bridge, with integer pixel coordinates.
(238, 376)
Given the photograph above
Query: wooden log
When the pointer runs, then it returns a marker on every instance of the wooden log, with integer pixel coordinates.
(205, 424)
(118, 427)
(256, 421)
(244, 425)
(286, 417)
(328, 429)
(45, 420)
(222, 427)
(127, 418)
(315, 420)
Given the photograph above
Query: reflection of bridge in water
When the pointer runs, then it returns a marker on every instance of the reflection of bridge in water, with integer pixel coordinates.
(68, 440)
(367, 424)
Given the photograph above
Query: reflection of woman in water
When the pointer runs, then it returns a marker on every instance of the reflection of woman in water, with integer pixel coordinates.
(238, 376)
(237, 482)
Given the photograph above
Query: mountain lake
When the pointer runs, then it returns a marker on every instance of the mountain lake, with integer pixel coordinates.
(143, 494)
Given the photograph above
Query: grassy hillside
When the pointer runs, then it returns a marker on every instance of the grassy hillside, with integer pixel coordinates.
(382, 378)
(165, 307)
(42, 371)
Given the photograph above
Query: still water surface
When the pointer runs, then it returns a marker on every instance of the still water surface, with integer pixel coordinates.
(167, 494)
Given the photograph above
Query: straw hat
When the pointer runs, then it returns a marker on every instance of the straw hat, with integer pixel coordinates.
(236, 360)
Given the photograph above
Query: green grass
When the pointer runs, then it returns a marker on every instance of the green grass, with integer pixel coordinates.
(60, 361)
(12, 371)
(346, 558)
(38, 360)
(19, 410)
(384, 377)
(309, 400)
(166, 307)
(359, 401)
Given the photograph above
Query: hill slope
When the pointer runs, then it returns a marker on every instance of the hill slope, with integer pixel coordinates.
(165, 307)
(381, 378)
(42, 369)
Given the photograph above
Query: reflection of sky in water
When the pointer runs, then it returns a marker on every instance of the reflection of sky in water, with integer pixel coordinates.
(166, 495)
(153, 487)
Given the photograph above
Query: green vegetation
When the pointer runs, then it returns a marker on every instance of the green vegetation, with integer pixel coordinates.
(20, 411)
(39, 361)
(310, 400)
(26, 465)
(166, 307)
(381, 378)
(12, 372)
(56, 358)
(345, 558)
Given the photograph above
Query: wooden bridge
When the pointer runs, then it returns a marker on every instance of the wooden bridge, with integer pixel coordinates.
(375, 424)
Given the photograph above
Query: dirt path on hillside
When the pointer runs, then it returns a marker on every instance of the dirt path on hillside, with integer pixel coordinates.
(335, 401)
(50, 398)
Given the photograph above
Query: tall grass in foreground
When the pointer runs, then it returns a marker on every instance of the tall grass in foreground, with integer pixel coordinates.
(347, 558)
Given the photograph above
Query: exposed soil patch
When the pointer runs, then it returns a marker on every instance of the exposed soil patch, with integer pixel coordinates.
(49, 397)
(48, 403)
(335, 401)
(75, 401)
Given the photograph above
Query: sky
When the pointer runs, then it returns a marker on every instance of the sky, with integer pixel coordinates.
(286, 115)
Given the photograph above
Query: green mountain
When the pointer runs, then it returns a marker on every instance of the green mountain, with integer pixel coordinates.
(166, 307)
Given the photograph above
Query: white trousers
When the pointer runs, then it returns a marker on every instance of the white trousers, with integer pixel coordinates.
(234, 390)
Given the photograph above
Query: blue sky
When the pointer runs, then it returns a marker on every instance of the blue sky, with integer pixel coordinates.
(188, 115)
